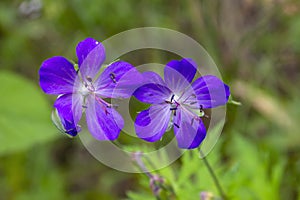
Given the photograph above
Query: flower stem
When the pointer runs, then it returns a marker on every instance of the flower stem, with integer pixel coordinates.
(157, 182)
(137, 158)
(213, 175)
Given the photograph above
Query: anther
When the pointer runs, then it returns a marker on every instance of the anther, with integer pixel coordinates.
(172, 98)
(176, 125)
(113, 77)
(89, 79)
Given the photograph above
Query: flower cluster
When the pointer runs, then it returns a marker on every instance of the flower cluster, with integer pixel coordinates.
(175, 101)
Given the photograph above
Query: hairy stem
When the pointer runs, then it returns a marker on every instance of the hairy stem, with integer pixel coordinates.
(213, 175)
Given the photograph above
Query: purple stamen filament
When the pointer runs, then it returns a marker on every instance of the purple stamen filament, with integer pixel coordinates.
(90, 89)
(174, 103)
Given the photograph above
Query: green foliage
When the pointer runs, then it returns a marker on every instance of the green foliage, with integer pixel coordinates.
(24, 121)
(248, 176)
(255, 44)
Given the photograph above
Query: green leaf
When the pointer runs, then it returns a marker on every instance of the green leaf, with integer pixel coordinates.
(24, 114)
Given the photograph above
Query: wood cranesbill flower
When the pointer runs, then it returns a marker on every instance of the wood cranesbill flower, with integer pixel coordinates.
(84, 89)
(178, 103)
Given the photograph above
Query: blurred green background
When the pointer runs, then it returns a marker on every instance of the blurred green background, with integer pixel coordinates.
(255, 44)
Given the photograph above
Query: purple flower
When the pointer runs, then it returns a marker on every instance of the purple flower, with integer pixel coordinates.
(84, 89)
(178, 103)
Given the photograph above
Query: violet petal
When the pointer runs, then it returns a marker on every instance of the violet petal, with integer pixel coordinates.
(152, 123)
(57, 76)
(189, 130)
(118, 80)
(69, 108)
(152, 77)
(210, 91)
(178, 74)
(104, 123)
(91, 55)
(152, 93)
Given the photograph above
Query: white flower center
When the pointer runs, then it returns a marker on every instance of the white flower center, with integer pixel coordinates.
(176, 98)
(83, 90)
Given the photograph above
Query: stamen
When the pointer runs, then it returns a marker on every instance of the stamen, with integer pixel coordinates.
(176, 125)
(173, 108)
(103, 104)
(84, 106)
(113, 77)
(89, 79)
(172, 98)
(112, 106)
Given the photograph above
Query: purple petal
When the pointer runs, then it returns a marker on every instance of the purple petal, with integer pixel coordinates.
(179, 74)
(152, 77)
(91, 55)
(154, 89)
(189, 129)
(69, 108)
(152, 93)
(103, 122)
(211, 91)
(152, 123)
(57, 76)
(84, 48)
(119, 80)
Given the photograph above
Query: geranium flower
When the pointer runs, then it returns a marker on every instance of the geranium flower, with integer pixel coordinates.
(83, 90)
(178, 103)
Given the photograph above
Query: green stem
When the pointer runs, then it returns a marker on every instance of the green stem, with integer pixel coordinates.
(213, 175)
(154, 179)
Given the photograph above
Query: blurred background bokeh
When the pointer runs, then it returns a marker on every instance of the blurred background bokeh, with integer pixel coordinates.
(255, 44)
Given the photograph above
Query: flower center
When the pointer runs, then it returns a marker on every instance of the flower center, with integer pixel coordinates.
(84, 90)
(86, 87)
(173, 101)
